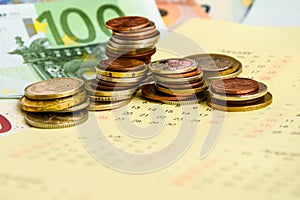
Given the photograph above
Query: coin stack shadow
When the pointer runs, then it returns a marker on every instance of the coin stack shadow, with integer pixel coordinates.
(177, 81)
(217, 66)
(118, 78)
(238, 94)
(55, 103)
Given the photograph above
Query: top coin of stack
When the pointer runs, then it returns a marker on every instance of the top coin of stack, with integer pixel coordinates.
(132, 37)
(55, 103)
(217, 66)
(238, 94)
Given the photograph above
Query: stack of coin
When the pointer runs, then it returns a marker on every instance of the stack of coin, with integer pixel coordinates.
(132, 37)
(55, 103)
(176, 79)
(217, 66)
(238, 94)
(116, 82)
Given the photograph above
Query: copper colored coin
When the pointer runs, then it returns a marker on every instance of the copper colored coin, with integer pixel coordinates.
(143, 31)
(127, 23)
(142, 56)
(196, 84)
(235, 86)
(183, 75)
(150, 92)
(121, 65)
(97, 84)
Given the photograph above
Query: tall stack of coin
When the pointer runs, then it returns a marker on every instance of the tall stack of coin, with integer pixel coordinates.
(116, 82)
(217, 66)
(131, 46)
(55, 103)
(176, 79)
(133, 37)
(238, 94)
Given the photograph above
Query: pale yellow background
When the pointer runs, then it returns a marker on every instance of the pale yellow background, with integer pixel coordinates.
(256, 157)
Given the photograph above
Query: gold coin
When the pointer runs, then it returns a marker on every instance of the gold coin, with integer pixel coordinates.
(181, 92)
(78, 107)
(56, 120)
(121, 80)
(52, 104)
(129, 74)
(232, 75)
(108, 99)
(94, 92)
(267, 100)
(98, 106)
(54, 88)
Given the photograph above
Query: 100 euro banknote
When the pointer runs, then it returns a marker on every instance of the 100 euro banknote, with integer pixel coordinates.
(58, 39)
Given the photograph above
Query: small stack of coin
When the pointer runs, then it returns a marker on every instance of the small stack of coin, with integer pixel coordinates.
(217, 66)
(116, 82)
(238, 94)
(133, 37)
(176, 79)
(55, 103)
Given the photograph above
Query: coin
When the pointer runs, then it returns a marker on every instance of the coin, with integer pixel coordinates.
(127, 47)
(54, 88)
(185, 80)
(136, 80)
(149, 91)
(173, 66)
(150, 28)
(56, 120)
(121, 65)
(262, 91)
(234, 86)
(182, 92)
(114, 74)
(135, 38)
(267, 100)
(234, 74)
(188, 85)
(182, 75)
(99, 106)
(97, 85)
(127, 41)
(127, 52)
(78, 107)
(52, 105)
(214, 62)
(109, 98)
(91, 91)
(141, 56)
(136, 33)
(127, 23)
(98, 82)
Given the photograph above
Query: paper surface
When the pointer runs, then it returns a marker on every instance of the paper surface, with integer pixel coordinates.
(256, 157)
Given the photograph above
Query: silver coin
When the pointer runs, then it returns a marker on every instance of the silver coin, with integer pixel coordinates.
(173, 66)
(179, 80)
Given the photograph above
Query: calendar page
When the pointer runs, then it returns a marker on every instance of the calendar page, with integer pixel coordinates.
(150, 150)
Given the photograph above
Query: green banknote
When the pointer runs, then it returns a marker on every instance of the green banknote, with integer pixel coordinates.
(58, 39)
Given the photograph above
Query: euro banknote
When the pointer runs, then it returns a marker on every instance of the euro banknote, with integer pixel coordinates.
(57, 39)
